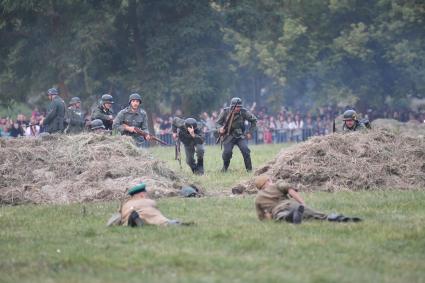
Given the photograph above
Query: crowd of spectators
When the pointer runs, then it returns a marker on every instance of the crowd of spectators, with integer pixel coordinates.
(281, 127)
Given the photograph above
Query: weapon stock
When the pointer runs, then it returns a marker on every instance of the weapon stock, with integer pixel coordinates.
(144, 134)
(227, 125)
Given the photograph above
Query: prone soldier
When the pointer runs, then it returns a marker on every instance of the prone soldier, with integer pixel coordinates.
(281, 202)
(192, 137)
(104, 111)
(234, 133)
(140, 210)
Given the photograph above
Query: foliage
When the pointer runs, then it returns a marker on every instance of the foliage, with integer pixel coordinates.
(195, 54)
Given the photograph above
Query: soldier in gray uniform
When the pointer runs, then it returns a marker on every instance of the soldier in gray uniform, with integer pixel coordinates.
(133, 116)
(237, 135)
(351, 123)
(54, 120)
(74, 117)
(192, 137)
(104, 111)
(97, 126)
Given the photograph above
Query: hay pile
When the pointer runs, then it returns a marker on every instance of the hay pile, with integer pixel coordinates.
(411, 129)
(368, 160)
(79, 168)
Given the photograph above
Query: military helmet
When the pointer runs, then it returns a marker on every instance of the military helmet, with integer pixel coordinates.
(135, 96)
(52, 91)
(349, 115)
(190, 122)
(96, 124)
(74, 100)
(236, 101)
(107, 98)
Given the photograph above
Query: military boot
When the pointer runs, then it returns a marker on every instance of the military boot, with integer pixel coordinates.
(200, 166)
(248, 164)
(225, 166)
(194, 168)
(134, 220)
(295, 216)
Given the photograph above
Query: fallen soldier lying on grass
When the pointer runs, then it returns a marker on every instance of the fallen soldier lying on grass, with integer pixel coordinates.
(140, 210)
(281, 202)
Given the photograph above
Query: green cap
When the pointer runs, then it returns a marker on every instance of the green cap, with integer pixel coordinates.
(137, 189)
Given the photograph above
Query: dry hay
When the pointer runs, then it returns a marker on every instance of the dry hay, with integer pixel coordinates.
(411, 128)
(368, 160)
(79, 168)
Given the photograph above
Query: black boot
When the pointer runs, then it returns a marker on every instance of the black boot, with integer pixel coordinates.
(248, 164)
(200, 166)
(296, 215)
(134, 220)
(225, 166)
(194, 168)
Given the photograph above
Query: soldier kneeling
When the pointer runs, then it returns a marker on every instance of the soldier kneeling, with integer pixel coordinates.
(192, 137)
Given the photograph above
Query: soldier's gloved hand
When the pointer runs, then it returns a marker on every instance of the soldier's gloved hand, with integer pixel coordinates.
(248, 136)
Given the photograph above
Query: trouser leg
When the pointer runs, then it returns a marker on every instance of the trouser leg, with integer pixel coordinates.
(227, 154)
(199, 149)
(246, 153)
(190, 160)
(283, 211)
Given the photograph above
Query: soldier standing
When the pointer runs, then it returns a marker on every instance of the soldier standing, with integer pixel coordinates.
(104, 111)
(54, 120)
(133, 116)
(74, 117)
(351, 123)
(192, 137)
(236, 132)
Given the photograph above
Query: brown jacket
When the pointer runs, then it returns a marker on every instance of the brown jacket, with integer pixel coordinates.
(147, 211)
(270, 197)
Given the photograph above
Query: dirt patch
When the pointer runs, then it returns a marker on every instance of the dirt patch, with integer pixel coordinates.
(369, 160)
(79, 168)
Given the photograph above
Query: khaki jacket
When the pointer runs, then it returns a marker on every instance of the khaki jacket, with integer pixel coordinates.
(271, 197)
(147, 211)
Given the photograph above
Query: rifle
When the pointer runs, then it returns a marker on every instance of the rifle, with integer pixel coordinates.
(144, 134)
(333, 127)
(177, 151)
(227, 125)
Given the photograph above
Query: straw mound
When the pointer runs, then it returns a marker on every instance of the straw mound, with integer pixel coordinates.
(411, 129)
(79, 168)
(371, 160)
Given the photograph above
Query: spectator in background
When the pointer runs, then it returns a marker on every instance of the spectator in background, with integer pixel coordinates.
(33, 128)
(16, 130)
(298, 128)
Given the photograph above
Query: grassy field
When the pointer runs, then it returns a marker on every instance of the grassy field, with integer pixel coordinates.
(227, 244)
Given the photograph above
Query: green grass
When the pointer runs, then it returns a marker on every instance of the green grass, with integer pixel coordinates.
(214, 180)
(70, 243)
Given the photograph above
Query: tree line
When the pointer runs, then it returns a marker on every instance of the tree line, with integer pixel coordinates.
(196, 54)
